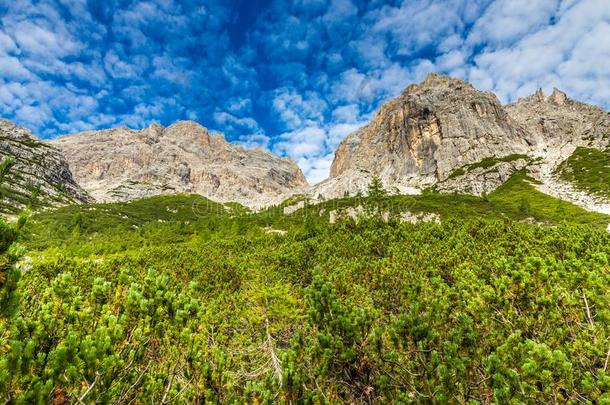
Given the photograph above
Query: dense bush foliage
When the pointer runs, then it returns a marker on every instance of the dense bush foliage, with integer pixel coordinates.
(220, 309)
(9, 275)
(176, 299)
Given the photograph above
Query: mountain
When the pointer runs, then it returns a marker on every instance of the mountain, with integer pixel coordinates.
(123, 164)
(34, 174)
(442, 134)
(573, 146)
(419, 138)
(447, 135)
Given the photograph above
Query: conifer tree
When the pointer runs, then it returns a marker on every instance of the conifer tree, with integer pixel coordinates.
(375, 189)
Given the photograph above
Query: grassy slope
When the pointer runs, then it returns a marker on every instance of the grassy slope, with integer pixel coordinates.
(517, 200)
(486, 164)
(589, 170)
(475, 301)
(107, 228)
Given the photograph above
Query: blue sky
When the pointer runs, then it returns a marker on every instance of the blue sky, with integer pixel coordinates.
(294, 77)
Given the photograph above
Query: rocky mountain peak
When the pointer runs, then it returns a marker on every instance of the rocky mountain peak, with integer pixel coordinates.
(188, 131)
(558, 97)
(558, 120)
(433, 127)
(445, 133)
(123, 164)
(436, 81)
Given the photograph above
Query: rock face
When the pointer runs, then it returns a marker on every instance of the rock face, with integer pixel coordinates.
(431, 129)
(558, 119)
(39, 176)
(434, 130)
(560, 124)
(480, 181)
(122, 164)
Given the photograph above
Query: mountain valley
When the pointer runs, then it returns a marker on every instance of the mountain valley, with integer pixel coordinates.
(458, 253)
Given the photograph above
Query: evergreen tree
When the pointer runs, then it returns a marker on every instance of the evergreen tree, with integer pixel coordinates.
(375, 188)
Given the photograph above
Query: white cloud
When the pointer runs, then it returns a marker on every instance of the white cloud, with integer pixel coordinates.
(505, 21)
(230, 122)
(297, 110)
(346, 113)
(254, 141)
(41, 42)
(339, 10)
(34, 116)
(337, 132)
(239, 105)
(415, 25)
(301, 143)
(571, 54)
(119, 69)
(7, 45)
(11, 68)
(316, 169)
(357, 87)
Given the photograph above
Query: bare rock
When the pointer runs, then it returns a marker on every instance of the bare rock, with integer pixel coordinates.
(559, 124)
(481, 181)
(419, 138)
(122, 164)
(291, 209)
(415, 218)
(40, 176)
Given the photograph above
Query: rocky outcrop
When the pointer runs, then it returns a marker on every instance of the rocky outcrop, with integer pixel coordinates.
(38, 176)
(424, 137)
(122, 164)
(359, 212)
(557, 122)
(560, 125)
(482, 180)
(433, 128)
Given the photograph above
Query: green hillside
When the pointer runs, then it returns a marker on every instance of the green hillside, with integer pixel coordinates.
(589, 170)
(176, 299)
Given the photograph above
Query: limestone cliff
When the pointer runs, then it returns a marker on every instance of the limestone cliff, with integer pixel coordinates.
(419, 138)
(36, 175)
(122, 164)
(447, 134)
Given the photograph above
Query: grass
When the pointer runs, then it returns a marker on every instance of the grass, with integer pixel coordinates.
(588, 169)
(164, 208)
(486, 164)
(517, 200)
(178, 218)
(135, 223)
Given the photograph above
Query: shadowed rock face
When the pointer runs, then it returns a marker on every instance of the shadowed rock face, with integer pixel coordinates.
(40, 175)
(431, 129)
(123, 164)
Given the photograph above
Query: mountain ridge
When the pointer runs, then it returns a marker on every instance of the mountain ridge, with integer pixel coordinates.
(35, 175)
(427, 136)
(120, 164)
(442, 134)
